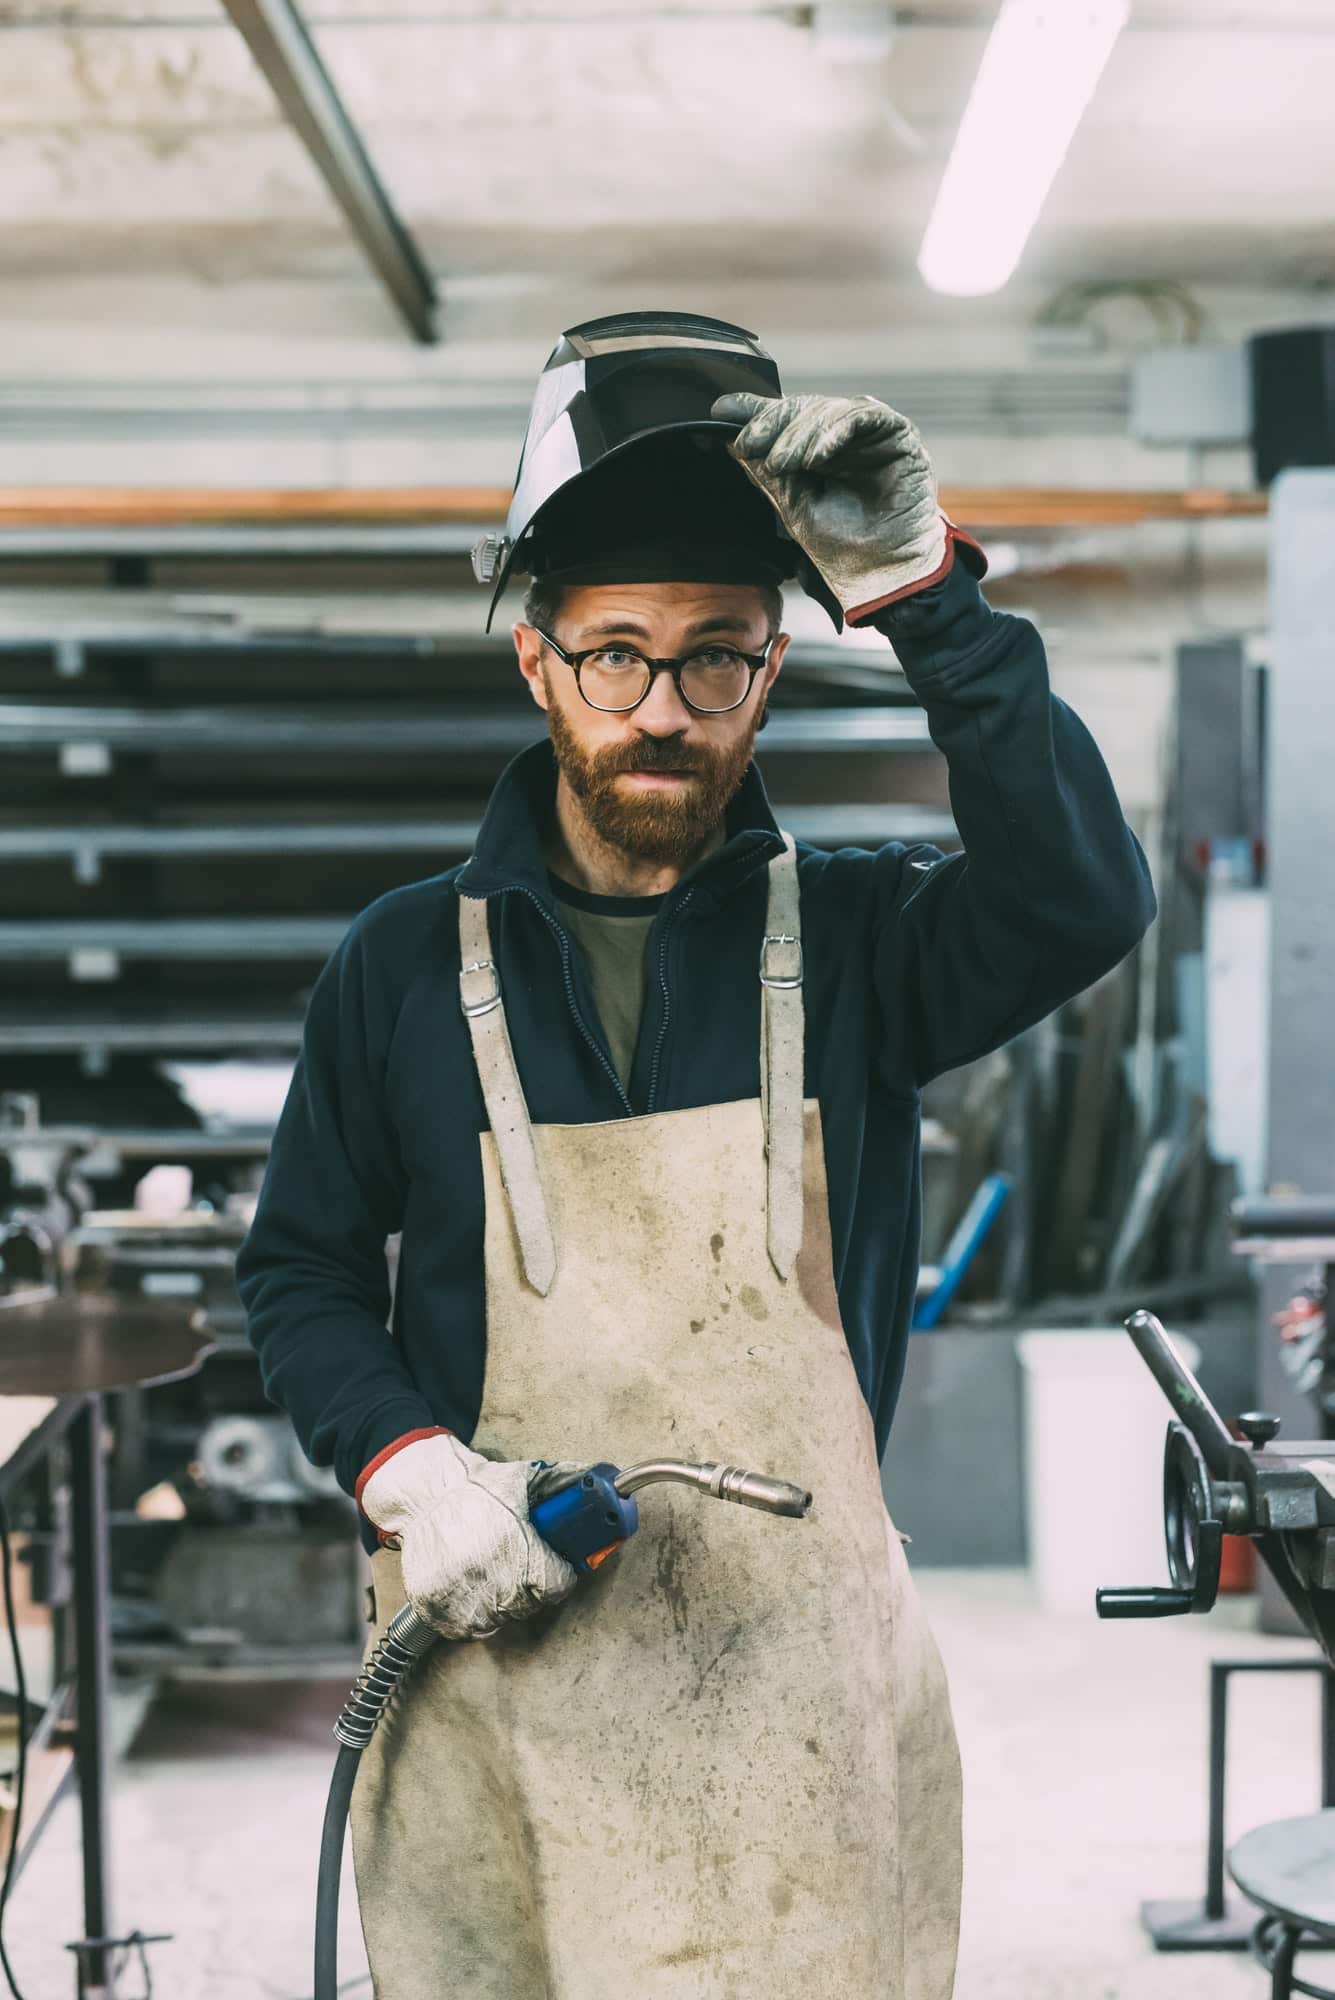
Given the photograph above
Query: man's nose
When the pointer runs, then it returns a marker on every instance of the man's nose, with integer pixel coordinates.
(663, 712)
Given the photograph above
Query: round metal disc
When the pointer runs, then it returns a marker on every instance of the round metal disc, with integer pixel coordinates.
(63, 1344)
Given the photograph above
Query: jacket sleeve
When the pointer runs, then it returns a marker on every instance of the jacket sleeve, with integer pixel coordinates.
(312, 1273)
(1051, 889)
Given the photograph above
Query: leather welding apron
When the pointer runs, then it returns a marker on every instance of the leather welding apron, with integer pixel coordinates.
(726, 1766)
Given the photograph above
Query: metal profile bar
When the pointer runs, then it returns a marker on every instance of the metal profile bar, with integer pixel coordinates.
(360, 728)
(280, 43)
(272, 938)
(185, 1141)
(86, 846)
(72, 639)
(1012, 402)
(111, 637)
(256, 539)
(130, 1033)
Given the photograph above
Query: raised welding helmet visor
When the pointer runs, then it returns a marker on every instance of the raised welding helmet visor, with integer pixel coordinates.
(625, 476)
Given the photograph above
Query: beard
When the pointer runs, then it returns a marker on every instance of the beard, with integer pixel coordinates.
(667, 827)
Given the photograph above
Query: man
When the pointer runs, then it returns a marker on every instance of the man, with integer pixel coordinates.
(639, 1083)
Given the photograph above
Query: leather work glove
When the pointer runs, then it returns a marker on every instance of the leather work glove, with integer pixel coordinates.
(471, 1557)
(852, 483)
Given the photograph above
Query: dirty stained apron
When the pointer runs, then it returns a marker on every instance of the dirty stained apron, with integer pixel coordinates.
(725, 1767)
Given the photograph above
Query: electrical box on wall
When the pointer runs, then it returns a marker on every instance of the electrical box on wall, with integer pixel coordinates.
(1293, 394)
(1191, 394)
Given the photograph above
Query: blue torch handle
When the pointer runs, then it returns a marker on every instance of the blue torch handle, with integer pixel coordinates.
(586, 1520)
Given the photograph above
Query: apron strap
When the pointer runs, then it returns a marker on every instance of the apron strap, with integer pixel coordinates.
(781, 1076)
(781, 1057)
(503, 1095)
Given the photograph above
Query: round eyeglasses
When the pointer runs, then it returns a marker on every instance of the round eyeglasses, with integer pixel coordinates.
(614, 678)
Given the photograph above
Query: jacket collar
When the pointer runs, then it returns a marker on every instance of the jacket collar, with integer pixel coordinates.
(509, 850)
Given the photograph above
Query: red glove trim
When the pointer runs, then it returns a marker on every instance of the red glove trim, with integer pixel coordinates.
(409, 1437)
(862, 613)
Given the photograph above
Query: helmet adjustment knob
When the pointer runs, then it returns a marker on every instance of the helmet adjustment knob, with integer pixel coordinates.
(488, 553)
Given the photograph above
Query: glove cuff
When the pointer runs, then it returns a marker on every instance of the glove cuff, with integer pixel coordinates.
(862, 614)
(389, 1536)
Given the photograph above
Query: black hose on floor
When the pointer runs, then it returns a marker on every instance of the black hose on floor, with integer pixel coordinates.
(331, 1868)
(406, 1638)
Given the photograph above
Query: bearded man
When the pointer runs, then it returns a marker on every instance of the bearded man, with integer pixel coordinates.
(639, 1085)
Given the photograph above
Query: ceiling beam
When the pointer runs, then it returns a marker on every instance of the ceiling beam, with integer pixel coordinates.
(280, 43)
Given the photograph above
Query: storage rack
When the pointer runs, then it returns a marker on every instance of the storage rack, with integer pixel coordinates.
(205, 773)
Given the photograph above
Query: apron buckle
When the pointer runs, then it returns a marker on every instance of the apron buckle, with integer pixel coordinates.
(487, 1001)
(781, 981)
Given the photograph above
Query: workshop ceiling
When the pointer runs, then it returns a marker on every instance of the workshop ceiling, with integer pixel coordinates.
(618, 139)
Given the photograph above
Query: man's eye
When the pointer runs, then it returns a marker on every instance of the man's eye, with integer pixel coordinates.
(716, 656)
(616, 657)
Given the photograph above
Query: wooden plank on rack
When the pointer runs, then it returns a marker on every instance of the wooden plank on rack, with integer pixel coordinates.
(175, 506)
(1095, 507)
(1010, 507)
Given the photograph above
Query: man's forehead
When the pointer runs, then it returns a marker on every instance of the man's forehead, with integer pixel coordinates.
(653, 606)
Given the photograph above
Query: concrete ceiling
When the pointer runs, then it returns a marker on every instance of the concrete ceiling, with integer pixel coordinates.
(620, 143)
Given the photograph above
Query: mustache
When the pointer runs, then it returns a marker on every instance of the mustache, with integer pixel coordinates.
(651, 753)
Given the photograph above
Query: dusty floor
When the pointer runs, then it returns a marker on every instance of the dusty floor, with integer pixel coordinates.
(1084, 1756)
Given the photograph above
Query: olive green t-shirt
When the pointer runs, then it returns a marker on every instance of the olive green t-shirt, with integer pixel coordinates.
(612, 932)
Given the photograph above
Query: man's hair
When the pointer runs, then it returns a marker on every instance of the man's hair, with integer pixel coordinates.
(543, 601)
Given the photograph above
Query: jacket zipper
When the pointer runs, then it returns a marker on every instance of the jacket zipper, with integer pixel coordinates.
(564, 942)
(667, 998)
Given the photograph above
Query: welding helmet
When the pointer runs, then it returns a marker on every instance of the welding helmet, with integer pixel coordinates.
(626, 478)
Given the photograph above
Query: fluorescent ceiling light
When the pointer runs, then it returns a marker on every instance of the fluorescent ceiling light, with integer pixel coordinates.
(1038, 73)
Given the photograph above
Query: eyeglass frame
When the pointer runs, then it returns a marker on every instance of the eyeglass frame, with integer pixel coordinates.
(674, 665)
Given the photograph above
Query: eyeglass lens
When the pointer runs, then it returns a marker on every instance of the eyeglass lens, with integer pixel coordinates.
(715, 678)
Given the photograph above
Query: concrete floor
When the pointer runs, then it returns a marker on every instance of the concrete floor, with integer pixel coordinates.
(1084, 1755)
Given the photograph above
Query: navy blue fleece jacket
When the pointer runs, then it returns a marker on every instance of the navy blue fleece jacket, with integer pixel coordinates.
(915, 962)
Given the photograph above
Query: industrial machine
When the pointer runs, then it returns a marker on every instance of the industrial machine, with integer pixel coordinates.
(229, 1550)
(1280, 1494)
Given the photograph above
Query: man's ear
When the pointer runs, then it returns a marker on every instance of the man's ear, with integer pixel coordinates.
(772, 665)
(528, 647)
(775, 660)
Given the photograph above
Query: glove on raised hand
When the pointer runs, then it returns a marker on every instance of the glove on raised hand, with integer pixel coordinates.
(471, 1557)
(852, 483)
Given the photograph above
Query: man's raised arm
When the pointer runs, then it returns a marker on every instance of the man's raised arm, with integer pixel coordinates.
(1051, 889)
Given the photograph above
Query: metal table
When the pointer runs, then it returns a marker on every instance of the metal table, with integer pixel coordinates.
(58, 1356)
(1288, 1870)
(76, 1713)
